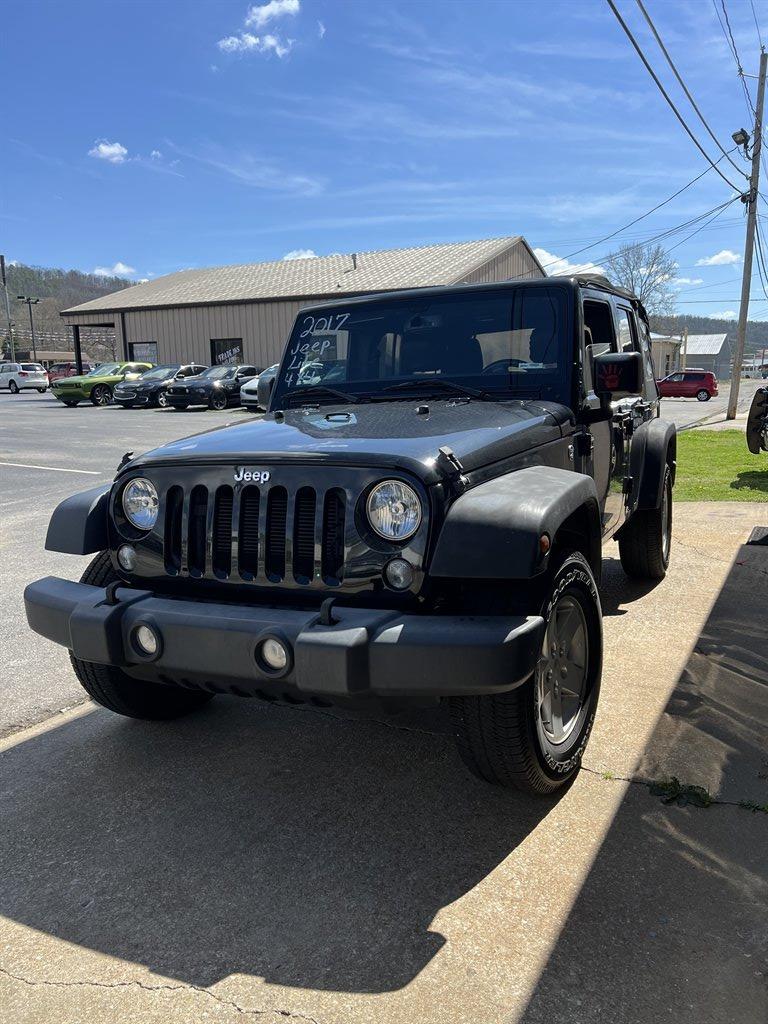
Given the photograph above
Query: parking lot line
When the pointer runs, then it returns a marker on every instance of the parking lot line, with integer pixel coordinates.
(52, 469)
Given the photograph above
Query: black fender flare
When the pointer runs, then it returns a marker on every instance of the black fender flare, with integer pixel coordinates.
(494, 530)
(79, 524)
(654, 445)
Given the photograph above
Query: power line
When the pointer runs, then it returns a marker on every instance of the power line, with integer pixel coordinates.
(684, 87)
(732, 46)
(666, 95)
(757, 25)
(642, 216)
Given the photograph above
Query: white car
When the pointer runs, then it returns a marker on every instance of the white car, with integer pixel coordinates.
(17, 376)
(248, 392)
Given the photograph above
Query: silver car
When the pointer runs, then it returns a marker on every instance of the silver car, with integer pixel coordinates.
(248, 392)
(17, 376)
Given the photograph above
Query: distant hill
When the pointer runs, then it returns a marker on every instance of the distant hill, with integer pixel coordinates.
(57, 290)
(757, 330)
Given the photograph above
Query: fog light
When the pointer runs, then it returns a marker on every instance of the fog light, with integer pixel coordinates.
(274, 655)
(399, 574)
(146, 640)
(126, 556)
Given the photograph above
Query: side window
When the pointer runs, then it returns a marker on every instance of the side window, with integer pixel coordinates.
(599, 335)
(627, 339)
(649, 370)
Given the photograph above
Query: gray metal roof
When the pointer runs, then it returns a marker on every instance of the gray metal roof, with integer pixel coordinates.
(705, 344)
(383, 270)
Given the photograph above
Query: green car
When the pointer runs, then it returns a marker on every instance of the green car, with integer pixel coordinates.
(96, 385)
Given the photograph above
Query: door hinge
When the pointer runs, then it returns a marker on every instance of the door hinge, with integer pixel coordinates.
(585, 445)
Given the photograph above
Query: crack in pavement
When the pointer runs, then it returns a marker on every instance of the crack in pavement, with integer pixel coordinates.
(144, 986)
(609, 776)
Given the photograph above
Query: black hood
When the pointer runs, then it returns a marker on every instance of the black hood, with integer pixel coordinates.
(393, 434)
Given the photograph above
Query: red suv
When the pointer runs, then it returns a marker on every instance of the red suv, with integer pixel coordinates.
(689, 383)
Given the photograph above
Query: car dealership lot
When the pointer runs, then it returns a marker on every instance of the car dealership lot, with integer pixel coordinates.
(279, 861)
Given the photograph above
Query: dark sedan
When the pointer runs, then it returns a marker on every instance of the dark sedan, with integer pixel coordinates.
(151, 387)
(217, 388)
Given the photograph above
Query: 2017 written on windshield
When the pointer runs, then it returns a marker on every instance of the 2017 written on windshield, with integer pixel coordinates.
(310, 326)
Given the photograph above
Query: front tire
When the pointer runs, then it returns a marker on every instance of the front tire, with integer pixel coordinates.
(218, 402)
(703, 396)
(13, 387)
(101, 395)
(645, 542)
(161, 400)
(69, 403)
(118, 692)
(533, 738)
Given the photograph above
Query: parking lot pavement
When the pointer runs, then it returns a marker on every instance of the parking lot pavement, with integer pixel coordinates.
(312, 864)
(48, 452)
(688, 412)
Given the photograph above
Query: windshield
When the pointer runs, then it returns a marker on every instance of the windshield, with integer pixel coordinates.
(508, 343)
(105, 370)
(218, 372)
(159, 373)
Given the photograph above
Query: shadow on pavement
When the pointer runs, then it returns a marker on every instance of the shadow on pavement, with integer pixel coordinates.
(672, 921)
(617, 589)
(309, 848)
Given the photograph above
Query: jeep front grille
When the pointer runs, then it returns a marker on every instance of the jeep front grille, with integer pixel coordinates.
(260, 534)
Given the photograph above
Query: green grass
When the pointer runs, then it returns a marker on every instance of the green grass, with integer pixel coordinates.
(716, 465)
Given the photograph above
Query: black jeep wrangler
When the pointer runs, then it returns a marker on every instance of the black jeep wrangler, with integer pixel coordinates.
(418, 517)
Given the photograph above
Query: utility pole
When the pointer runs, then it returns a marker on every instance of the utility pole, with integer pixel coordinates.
(684, 359)
(7, 308)
(749, 245)
(30, 303)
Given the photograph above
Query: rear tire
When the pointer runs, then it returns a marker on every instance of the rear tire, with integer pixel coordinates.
(646, 540)
(42, 390)
(118, 692)
(533, 738)
(703, 396)
(13, 387)
(101, 395)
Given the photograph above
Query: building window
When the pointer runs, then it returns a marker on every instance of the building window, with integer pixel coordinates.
(226, 350)
(143, 351)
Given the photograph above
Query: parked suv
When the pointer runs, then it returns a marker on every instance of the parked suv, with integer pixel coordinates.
(18, 376)
(422, 522)
(690, 383)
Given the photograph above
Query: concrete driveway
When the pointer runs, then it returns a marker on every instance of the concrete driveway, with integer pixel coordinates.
(276, 862)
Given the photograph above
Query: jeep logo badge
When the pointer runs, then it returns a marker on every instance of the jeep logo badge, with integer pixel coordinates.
(258, 476)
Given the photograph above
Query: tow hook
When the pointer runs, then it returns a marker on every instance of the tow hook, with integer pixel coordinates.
(326, 612)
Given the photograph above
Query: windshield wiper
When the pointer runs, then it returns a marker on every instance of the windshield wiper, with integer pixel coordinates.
(436, 382)
(310, 390)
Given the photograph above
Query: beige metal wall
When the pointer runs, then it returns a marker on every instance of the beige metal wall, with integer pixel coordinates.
(185, 333)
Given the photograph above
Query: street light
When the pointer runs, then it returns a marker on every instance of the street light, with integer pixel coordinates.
(30, 303)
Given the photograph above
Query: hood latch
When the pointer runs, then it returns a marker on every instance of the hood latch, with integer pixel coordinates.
(451, 468)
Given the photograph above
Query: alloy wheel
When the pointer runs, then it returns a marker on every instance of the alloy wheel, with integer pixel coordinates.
(561, 674)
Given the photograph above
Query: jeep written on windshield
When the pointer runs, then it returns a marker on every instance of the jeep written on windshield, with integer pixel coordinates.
(419, 517)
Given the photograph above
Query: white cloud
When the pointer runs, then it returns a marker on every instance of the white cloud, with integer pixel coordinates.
(245, 42)
(720, 259)
(300, 254)
(556, 265)
(320, 29)
(724, 314)
(120, 269)
(156, 154)
(259, 15)
(112, 152)
(678, 281)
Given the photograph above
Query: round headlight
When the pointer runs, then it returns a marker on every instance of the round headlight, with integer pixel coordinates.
(394, 510)
(140, 503)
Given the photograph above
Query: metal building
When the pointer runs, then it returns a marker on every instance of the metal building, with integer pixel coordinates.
(244, 313)
(710, 352)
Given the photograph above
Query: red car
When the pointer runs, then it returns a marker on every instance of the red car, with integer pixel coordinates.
(689, 383)
(59, 370)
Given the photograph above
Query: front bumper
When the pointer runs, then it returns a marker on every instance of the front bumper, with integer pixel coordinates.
(132, 398)
(65, 394)
(364, 651)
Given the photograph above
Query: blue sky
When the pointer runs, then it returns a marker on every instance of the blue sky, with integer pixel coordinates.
(163, 135)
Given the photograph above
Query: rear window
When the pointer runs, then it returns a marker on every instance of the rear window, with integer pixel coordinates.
(696, 376)
(31, 366)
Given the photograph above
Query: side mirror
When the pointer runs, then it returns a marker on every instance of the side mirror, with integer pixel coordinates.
(264, 390)
(618, 374)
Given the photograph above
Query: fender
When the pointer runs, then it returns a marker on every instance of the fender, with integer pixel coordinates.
(493, 531)
(653, 444)
(78, 525)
